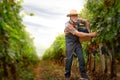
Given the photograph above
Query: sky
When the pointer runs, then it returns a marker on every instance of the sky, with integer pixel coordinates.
(48, 20)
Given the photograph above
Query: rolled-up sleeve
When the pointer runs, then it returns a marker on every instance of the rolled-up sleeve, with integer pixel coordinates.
(69, 28)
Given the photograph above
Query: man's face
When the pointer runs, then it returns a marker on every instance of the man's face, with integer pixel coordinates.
(74, 18)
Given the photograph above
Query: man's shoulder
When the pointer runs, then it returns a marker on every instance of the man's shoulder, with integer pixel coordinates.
(67, 23)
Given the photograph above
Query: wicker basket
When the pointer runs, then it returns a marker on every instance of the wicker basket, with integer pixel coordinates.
(84, 39)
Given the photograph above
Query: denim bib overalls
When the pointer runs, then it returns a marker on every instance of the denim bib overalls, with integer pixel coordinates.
(73, 46)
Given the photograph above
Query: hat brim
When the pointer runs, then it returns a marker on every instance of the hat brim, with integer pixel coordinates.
(68, 15)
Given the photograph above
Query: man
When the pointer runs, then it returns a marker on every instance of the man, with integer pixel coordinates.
(72, 36)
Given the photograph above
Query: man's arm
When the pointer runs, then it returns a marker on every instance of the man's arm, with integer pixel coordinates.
(82, 34)
(86, 24)
(72, 30)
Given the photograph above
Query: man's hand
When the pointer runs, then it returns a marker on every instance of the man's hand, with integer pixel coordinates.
(84, 39)
(93, 34)
(70, 29)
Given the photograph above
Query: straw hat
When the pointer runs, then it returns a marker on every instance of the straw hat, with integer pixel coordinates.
(72, 12)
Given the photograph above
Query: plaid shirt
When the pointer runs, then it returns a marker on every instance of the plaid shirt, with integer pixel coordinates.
(70, 27)
(72, 40)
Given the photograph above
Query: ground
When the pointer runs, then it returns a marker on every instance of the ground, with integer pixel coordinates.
(48, 70)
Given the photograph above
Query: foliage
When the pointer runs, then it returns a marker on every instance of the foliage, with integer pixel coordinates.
(104, 17)
(57, 50)
(17, 51)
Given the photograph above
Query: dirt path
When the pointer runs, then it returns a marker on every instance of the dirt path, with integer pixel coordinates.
(47, 70)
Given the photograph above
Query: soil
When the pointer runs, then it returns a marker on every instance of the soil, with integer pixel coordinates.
(48, 70)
